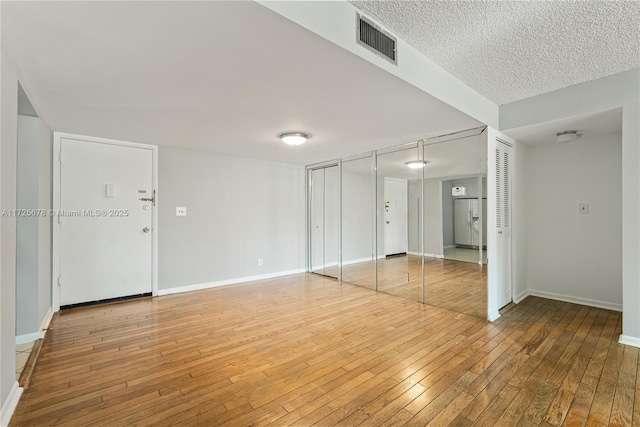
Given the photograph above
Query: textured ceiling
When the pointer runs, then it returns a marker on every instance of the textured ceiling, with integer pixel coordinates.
(511, 50)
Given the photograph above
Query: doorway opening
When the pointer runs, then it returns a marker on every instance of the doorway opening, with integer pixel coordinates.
(395, 217)
(464, 219)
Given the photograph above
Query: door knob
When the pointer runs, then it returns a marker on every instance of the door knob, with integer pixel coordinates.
(145, 230)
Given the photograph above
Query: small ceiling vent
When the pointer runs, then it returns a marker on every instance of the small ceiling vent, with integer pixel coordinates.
(376, 39)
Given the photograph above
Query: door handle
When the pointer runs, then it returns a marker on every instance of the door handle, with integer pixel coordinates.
(388, 222)
(145, 230)
(151, 199)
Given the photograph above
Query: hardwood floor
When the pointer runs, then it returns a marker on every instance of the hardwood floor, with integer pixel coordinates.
(455, 285)
(306, 350)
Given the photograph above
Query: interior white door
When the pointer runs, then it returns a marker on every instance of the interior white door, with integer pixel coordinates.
(503, 157)
(395, 208)
(105, 229)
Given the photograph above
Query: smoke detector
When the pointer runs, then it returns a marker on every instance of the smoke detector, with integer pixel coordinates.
(567, 135)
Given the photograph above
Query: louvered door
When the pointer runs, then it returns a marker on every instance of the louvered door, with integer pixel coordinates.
(503, 156)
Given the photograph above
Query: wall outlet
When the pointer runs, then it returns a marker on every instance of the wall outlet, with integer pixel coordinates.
(583, 208)
(259, 262)
(181, 211)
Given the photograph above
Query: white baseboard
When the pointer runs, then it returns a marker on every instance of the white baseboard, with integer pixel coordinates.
(576, 300)
(493, 316)
(358, 261)
(521, 296)
(434, 256)
(44, 325)
(25, 338)
(438, 256)
(627, 340)
(321, 266)
(9, 405)
(227, 282)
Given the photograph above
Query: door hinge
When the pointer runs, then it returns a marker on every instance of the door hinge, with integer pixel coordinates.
(59, 283)
(60, 157)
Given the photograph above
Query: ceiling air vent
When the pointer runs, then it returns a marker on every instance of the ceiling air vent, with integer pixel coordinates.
(376, 39)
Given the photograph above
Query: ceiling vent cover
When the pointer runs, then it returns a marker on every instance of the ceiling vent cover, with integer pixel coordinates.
(376, 39)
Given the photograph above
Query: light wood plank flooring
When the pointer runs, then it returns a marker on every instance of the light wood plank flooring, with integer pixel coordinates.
(306, 350)
(455, 285)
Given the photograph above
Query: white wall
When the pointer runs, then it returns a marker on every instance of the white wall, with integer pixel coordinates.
(33, 268)
(447, 214)
(238, 210)
(35, 245)
(357, 215)
(432, 207)
(572, 254)
(9, 116)
(45, 189)
(620, 90)
(27, 227)
(520, 218)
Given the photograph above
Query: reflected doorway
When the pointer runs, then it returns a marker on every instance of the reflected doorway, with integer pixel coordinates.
(395, 215)
(324, 220)
(464, 219)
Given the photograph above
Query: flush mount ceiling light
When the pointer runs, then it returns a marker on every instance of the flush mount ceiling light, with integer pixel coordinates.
(568, 135)
(416, 164)
(294, 138)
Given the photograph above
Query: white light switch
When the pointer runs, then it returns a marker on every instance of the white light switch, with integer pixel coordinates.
(109, 191)
(181, 211)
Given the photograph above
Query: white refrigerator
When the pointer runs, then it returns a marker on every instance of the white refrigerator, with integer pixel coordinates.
(467, 222)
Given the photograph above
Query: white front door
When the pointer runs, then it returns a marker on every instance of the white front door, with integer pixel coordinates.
(395, 215)
(105, 233)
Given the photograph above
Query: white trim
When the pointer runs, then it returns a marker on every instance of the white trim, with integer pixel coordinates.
(10, 404)
(493, 316)
(57, 137)
(576, 300)
(521, 296)
(25, 338)
(353, 261)
(627, 340)
(321, 266)
(227, 282)
(434, 256)
(358, 261)
(438, 256)
(44, 325)
(34, 336)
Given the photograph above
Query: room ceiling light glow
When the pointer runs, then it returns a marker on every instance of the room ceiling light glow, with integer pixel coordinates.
(294, 138)
(568, 135)
(416, 164)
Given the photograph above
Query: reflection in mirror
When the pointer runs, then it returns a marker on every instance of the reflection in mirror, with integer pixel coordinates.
(324, 220)
(358, 258)
(454, 230)
(399, 265)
